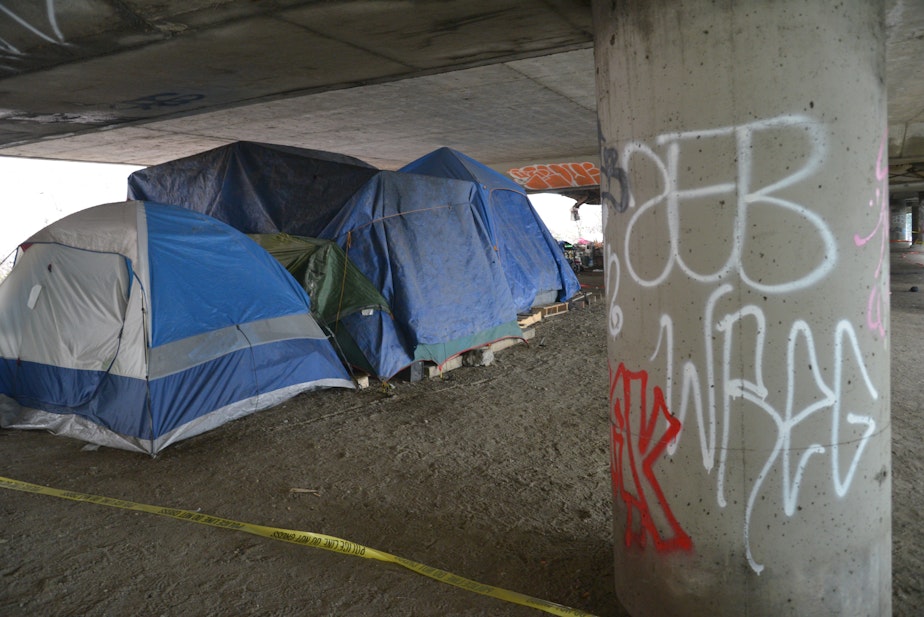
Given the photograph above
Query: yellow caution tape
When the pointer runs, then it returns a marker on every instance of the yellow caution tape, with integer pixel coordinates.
(328, 543)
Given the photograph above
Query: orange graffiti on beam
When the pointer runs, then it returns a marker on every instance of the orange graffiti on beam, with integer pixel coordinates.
(556, 176)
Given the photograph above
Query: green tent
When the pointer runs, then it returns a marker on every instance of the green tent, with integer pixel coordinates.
(336, 287)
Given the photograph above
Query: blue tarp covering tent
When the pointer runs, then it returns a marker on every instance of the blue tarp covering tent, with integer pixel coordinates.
(136, 325)
(422, 242)
(257, 188)
(536, 269)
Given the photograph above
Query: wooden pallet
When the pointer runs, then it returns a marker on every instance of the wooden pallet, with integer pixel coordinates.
(457, 361)
(554, 309)
(537, 314)
(525, 320)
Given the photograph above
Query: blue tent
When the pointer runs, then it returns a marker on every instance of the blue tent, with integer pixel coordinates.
(136, 325)
(422, 242)
(534, 265)
(257, 188)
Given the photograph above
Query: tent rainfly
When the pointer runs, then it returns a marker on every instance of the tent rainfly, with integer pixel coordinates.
(135, 325)
(534, 265)
(336, 287)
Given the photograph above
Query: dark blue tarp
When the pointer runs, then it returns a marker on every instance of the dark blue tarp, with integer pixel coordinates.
(534, 265)
(422, 242)
(255, 187)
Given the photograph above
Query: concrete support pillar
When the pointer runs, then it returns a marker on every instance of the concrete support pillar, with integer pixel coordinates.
(917, 222)
(899, 227)
(745, 181)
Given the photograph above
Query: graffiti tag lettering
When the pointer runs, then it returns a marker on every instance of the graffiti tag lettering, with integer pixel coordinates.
(612, 172)
(638, 440)
(747, 197)
(556, 176)
(875, 306)
(161, 99)
(714, 411)
(10, 52)
(822, 391)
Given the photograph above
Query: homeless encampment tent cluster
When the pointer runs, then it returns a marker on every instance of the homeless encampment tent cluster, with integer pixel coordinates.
(239, 277)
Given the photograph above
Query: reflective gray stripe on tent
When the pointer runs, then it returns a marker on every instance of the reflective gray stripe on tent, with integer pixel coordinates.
(12, 415)
(183, 354)
(239, 409)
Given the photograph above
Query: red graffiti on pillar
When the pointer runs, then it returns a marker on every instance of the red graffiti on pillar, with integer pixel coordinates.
(636, 454)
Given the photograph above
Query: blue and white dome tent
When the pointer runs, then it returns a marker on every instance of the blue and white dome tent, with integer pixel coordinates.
(135, 325)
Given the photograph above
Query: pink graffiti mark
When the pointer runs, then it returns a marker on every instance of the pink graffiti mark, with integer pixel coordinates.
(875, 303)
(642, 453)
(556, 176)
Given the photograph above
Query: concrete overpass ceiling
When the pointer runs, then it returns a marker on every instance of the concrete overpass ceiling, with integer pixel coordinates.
(505, 81)
(143, 82)
(496, 110)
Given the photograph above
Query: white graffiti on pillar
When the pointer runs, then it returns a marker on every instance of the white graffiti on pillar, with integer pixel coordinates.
(613, 273)
(713, 411)
(47, 31)
(748, 197)
(735, 336)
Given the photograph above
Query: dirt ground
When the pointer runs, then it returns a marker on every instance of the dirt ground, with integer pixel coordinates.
(497, 473)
